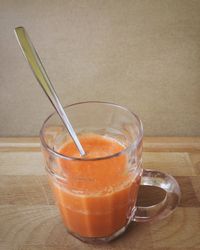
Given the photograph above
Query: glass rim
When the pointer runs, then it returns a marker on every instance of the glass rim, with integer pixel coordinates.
(123, 151)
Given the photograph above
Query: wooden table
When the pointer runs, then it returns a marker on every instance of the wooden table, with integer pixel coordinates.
(29, 220)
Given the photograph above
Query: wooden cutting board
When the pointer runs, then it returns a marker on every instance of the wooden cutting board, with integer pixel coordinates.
(29, 219)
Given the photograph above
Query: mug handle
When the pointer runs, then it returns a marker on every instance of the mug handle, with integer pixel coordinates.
(167, 205)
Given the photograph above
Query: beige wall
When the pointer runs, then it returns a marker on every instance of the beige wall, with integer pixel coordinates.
(141, 54)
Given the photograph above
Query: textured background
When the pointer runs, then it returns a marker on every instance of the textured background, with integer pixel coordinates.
(141, 54)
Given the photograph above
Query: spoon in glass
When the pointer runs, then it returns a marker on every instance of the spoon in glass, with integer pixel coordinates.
(43, 79)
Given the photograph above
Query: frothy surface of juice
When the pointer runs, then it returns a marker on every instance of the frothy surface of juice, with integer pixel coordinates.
(95, 146)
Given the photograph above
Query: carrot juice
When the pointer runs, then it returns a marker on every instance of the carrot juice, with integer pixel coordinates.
(99, 193)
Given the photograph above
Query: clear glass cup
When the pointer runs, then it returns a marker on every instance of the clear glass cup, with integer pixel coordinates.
(90, 212)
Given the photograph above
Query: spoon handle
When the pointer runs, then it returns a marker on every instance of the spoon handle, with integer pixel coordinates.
(42, 77)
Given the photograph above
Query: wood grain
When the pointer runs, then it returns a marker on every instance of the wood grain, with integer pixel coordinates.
(172, 144)
(171, 162)
(179, 230)
(21, 163)
(25, 190)
(29, 219)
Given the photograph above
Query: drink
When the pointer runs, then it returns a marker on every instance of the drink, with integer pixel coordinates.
(99, 195)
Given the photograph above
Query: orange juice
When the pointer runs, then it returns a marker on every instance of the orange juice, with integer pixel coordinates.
(99, 194)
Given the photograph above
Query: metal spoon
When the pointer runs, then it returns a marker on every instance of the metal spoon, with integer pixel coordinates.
(43, 79)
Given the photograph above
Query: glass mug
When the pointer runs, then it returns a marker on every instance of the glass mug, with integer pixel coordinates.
(97, 195)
